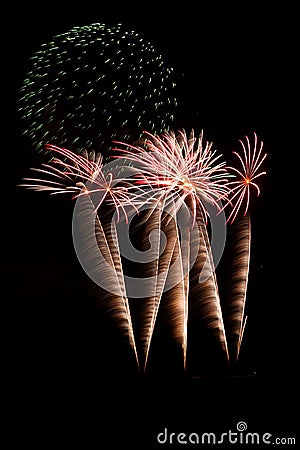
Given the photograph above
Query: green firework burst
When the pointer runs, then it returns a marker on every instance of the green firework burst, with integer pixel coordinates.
(94, 84)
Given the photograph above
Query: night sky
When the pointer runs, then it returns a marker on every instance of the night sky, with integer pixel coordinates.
(235, 71)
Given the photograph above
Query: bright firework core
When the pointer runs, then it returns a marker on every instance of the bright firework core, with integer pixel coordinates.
(250, 160)
(182, 183)
(186, 185)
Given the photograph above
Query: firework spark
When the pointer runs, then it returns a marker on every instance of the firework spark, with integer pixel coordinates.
(179, 171)
(175, 299)
(178, 168)
(98, 249)
(82, 174)
(204, 292)
(250, 161)
(80, 83)
(85, 176)
(168, 181)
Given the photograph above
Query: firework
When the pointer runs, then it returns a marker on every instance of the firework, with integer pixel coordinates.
(178, 171)
(82, 174)
(94, 83)
(250, 160)
(204, 293)
(179, 168)
(146, 236)
(175, 297)
(85, 177)
(97, 250)
(168, 185)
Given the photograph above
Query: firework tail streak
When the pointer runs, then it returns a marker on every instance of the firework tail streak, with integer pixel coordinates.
(173, 174)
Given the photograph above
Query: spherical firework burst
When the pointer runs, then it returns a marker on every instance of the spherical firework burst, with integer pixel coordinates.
(95, 83)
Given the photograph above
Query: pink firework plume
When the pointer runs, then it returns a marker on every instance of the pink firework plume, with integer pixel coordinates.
(177, 171)
(175, 168)
(250, 160)
(82, 174)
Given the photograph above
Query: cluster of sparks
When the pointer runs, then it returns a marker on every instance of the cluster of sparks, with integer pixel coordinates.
(81, 174)
(93, 84)
(173, 170)
(180, 167)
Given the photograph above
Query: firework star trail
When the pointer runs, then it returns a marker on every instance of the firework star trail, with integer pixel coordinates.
(92, 84)
(85, 177)
(165, 183)
(250, 159)
(179, 170)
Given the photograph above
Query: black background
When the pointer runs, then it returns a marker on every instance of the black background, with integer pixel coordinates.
(64, 367)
